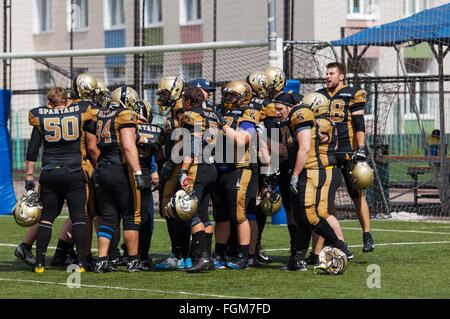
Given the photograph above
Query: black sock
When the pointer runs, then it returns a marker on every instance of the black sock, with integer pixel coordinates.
(208, 237)
(44, 234)
(144, 240)
(220, 250)
(302, 236)
(134, 257)
(198, 243)
(64, 245)
(113, 250)
(27, 246)
(324, 229)
(243, 249)
(80, 238)
(291, 229)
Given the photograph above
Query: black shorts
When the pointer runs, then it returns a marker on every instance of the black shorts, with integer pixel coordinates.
(120, 197)
(235, 195)
(59, 184)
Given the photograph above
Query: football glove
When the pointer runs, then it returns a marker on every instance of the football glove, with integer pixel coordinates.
(143, 182)
(166, 170)
(29, 185)
(183, 178)
(359, 154)
(293, 184)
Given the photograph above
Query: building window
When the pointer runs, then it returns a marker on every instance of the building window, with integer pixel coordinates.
(190, 71)
(363, 9)
(413, 6)
(114, 14)
(153, 13)
(43, 16)
(115, 75)
(44, 82)
(190, 12)
(77, 15)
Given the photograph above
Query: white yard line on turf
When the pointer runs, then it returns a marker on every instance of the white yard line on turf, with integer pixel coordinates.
(126, 289)
(377, 245)
(401, 231)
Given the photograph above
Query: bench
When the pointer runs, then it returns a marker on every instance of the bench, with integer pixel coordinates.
(414, 171)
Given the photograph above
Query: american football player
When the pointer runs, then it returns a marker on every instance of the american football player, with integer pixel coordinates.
(198, 173)
(120, 177)
(276, 82)
(347, 112)
(236, 187)
(300, 142)
(169, 94)
(84, 91)
(59, 127)
(149, 149)
(319, 104)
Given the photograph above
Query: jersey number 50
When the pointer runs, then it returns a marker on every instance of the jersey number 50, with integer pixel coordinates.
(56, 128)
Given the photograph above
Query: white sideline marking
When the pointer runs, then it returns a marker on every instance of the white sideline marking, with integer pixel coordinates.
(385, 244)
(127, 289)
(402, 231)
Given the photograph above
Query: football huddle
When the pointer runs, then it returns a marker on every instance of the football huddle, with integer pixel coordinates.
(218, 171)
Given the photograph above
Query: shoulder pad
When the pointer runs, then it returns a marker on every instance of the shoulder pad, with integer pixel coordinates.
(126, 116)
(301, 116)
(250, 114)
(191, 118)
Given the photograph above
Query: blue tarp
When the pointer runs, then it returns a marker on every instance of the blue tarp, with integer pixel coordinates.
(432, 25)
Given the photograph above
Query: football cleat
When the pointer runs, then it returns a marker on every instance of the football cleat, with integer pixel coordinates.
(261, 255)
(368, 242)
(80, 268)
(25, 254)
(296, 262)
(59, 258)
(180, 264)
(254, 262)
(237, 263)
(38, 268)
(219, 263)
(347, 252)
(201, 264)
(145, 265)
(90, 262)
(133, 265)
(169, 264)
(103, 266)
(312, 260)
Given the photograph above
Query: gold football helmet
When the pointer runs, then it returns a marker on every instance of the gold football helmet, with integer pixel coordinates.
(83, 87)
(276, 80)
(318, 103)
(143, 109)
(102, 97)
(170, 89)
(258, 81)
(332, 260)
(271, 202)
(236, 94)
(28, 209)
(126, 96)
(361, 175)
(182, 205)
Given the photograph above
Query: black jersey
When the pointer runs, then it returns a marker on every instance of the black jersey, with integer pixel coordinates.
(109, 123)
(299, 117)
(62, 133)
(345, 100)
